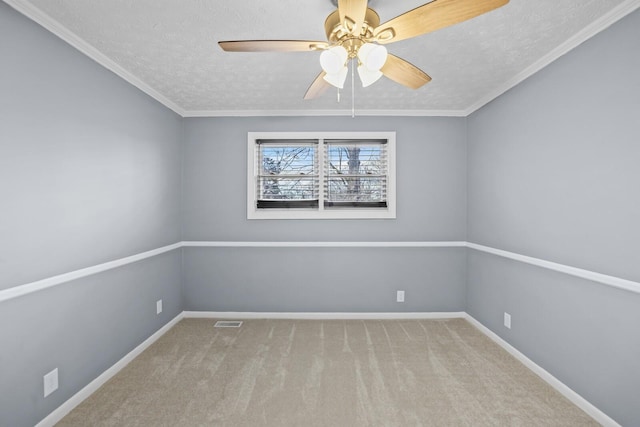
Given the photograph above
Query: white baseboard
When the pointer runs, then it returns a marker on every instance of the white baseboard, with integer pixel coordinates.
(563, 389)
(59, 413)
(321, 316)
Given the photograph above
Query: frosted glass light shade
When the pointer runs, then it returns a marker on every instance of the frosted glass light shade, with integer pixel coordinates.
(337, 79)
(367, 76)
(332, 60)
(373, 56)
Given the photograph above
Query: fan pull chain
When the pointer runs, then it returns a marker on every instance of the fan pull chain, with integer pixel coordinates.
(338, 95)
(353, 89)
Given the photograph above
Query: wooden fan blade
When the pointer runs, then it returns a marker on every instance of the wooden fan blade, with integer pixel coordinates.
(352, 14)
(432, 16)
(272, 45)
(403, 72)
(318, 87)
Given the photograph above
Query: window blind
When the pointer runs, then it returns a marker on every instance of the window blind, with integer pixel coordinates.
(356, 173)
(287, 174)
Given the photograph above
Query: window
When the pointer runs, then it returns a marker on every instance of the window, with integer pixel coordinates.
(321, 175)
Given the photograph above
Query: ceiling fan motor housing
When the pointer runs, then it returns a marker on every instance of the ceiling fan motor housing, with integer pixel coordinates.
(338, 34)
(335, 2)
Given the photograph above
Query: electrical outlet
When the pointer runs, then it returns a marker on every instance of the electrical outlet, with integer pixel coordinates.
(507, 320)
(400, 296)
(50, 382)
(159, 306)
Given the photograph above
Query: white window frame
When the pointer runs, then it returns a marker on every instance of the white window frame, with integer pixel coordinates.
(321, 213)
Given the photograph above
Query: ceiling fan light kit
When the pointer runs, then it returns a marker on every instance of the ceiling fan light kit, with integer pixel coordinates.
(354, 33)
(337, 79)
(368, 77)
(333, 62)
(372, 56)
(333, 59)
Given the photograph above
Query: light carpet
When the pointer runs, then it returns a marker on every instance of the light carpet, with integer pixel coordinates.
(326, 373)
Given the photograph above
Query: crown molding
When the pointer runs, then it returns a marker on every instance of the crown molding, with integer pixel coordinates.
(574, 41)
(35, 14)
(307, 244)
(322, 113)
(44, 20)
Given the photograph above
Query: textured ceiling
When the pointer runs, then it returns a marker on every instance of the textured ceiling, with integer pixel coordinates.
(169, 48)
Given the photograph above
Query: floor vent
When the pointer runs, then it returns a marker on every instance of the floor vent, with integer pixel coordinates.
(228, 324)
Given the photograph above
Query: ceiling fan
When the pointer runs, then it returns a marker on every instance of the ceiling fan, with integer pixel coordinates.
(354, 32)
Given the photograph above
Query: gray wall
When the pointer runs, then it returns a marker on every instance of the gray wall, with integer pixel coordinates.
(431, 181)
(82, 328)
(553, 173)
(89, 172)
(431, 204)
(324, 279)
